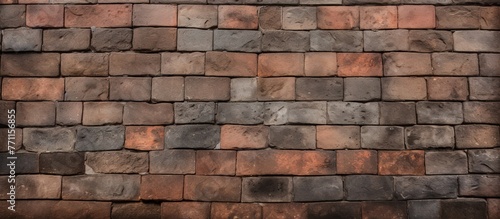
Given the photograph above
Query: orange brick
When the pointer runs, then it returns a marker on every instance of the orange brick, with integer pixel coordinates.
(338, 17)
(233, 64)
(416, 16)
(235, 210)
(320, 64)
(282, 88)
(171, 187)
(359, 64)
(338, 137)
(210, 162)
(212, 188)
(378, 17)
(238, 17)
(401, 163)
(155, 15)
(248, 137)
(104, 15)
(185, 210)
(33, 89)
(284, 210)
(281, 64)
(357, 162)
(145, 138)
(45, 16)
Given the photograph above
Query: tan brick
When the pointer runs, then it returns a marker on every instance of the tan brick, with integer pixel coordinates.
(401, 163)
(244, 137)
(134, 64)
(102, 113)
(84, 64)
(198, 16)
(378, 17)
(185, 210)
(44, 15)
(130, 88)
(338, 137)
(116, 162)
(183, 63)
(406, 64)
(171, 187)
(101, 187)
(235, 210)
(86, 88)
(416, 16)
(447, 88)
(154, 39)
(238, 17)
(338, 17)
(279, 88)
(210, 162)
(231, 64)
(359, 64)
(104, 15)
(33, 89)
(320, 64)
(207, 88)
(144, 138)
(489, 18)
(212, 188)
(404, 88)
(35, 114)
(281, 64)
(140, 113)
(356, 162)
(270, 17)
(155, 15)
(30, 64)
(167, 89)
(69, 113)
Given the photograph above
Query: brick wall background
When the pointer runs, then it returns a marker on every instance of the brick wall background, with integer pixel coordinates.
(252, 108)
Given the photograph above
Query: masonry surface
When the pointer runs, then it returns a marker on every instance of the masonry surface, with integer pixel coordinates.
(252, 108)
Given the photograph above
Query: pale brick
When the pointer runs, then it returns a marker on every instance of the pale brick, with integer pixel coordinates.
(183, 63)
(194, 112)
(385, 40)
(337, 40)
(198, 16)
(194, 40)
(21, 40)
(299, 18)
(353, 113)
(404, 88)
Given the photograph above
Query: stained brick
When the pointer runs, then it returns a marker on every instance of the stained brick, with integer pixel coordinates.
(454, 64)
(279, 88)
(424, 209)
(425, 187)
(62, 163)
(86, 88)
(299, 18)
(421, 16)
(207, 88)
(403, 88)
(244, 89)
(111, 39)
(307, 112)
(270, 18)
(484, 161)
(476, 41)
(275, 113)
(49, 139)
(320, 188)
(154, 15)
(445, 162)
(319, 88)
(397, 113)
(183, 63)
(484, 88)
(379, 188)
(192, 136)
(457, 17)
(134, 64)
(99, 138)
(488, 66)
(194, 40)
(406, 64)
(384, 209)
(292, 137)
(353, 113)
(285, 41)
(338, 137)
(430, 40)
(44, 15)
(148, 114)
(477, 136)
(66, 39)
(386, 40)
(267, 189)
(439, 113)
(12, 15)
(463, 208)
(238, 17)
(447, 88)
(333, 210)
(356, 162)
(104, 15)
(101, 187)
(338, 17)
(185, 210)
(284, 210)
(359, 64)
(320, 64)
(136, 210)
(172, 162)
(427, 136)
(482, 112)
(479, 185)
(336, 40)
(84, 64)
(117, 162)
(45, 114)
(144, 137)
(230, 64)
(401, 163)
(30, 64)
(25, 163)
(35, 187)
(59, 209)
(128, 88)
(244, 137)
(194, 112)
(171, 187)
(154, 39)
(21, 40)
(378, 17)
(32, 89)
(102, 113)
(212, 188)
(215, 162)
(237, 40)
(489, 16)
(382, 137)
(236, 210)
(281, 64)
(198, 16)
(362, 89)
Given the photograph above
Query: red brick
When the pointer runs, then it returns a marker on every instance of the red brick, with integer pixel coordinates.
(167, 89)
(284, 211)
(338, 17)
(489, 19)
(212, 188)
(359, 64)
(281, 64)
(183, 63)
(171, 187)
(185, 210)
(406, 64)
(69, 113)
(34, 187)
(207, 88)
(145, 138)
(57, 209)
(282, 88)
(84, 64)
(136, 210)
(404, 88)
(238, 17)
(356, 162)
(155, 15)
(401, 163)
(244, 137)
(494, 208)
(320, 64)
(384, 210)
(270, 18)
(140, 113)
(338, 137)
(198, 16)
(236, 210)
(154, 39)
(447, 88)
(215, 162)
(44, 15)
(44, 115)
(86, 88)
(378, 17)
(477, 136)
(33, 89)
(416, 16)
(285, 162)
(231, 64)
(102, 113)
(30, 64)
(134, 64)
(104, 15)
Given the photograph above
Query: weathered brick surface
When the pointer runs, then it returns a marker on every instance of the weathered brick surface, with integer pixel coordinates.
(267, 189)
(481, 112)
(403, 88)
(130, 88)
(44, 116)
(236, 210)
(26, 163)
(215, 162)
(446, 162)
(299, 18)
(154, 39)
(454, 64)
(194, 40)
(33, 89)
(12, 15)
(407, 64)
(425, 187)
(382, 137)
(185, 210)
(416, 16)
(136, 210)
(270, 17)
(292, 137)
(477, 136)
(484, 161)
(66, 39)
(447, 88)
(379, 188)
(281, 64)
(397, 113)
(134, 64)
(162, 89)
(238, 17)
(116, 162)
(238, 136)
(320, 64)
(476, 41)
(430, 40)
(171, 185)
(198, 16)
(289, 41)
(357, 162)
(341, 17)
(484, 88)
(86, 88)
(427, 136)
(319, 88)
(230, 64)
(100, 138)
(279, 88)
(457, 17)
(439, 113)
(148, 114)
(240, 113)
(378, 17)
(353, 113)
(385, 40)
(23, 64)
(212, 188)
(49, 139)
(463, 208)
(194, 112)
(384, 209)
(334, 210)
(101, 187)
(324, 188)
(244, 89)
(84, 64)
(182, 63)
(62, 163)
(106, 15)
(172, 162)
(359, 65)
(338, 137)
(44, 15)
(487, 65)
(144, 137)
(21, 40)
(361, 89)
(479, 185)
(401, 162)
(154, 15)
(102, 113)
(192, 136)
(60, 209)
(111, 39)
(207, 88)
(338, 40)
(35, 187)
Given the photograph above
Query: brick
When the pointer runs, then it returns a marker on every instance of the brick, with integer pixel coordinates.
(192, 136)
(21, 40)
(60, 209)
(154, 39)
(319, 89)
(405, 64)
(337, 40)
(18, 133)
(430, 40)
(386, 40)
(101, 187)
(401, 163)
(447, 88)
(493, 206)
(230, 64)
(244, 89)
(428, 136)
(397, 113)
(35, 187)
(338, 17)
(476, 41)
(359, 64)
(403, 88)
(167, 89)
(194, 112)
(320, 64)
(356, 162)
(477, 136)
(488, 66)
(215, 162)
(338, 137)
(281, 64)
(212, 188)
(334, 210)
(172, 162)
(445, 162)
(384, 210)
(352, 2)
(479, 185)
(100, 138)
(86, 88)
(197, 16)
(425, 187)
(481, 112)
(66, 39)
(284, 210)
(489, 16)
(299, 18)
(321, 2)
(382, 137)
(307, 112)
(154, 15)
(353, 113)
(285, 41)
(267, 189)
(240, 113)
(144, 137)
(292, 137)
(105, 15)
(463, 208)
(185, 210)
(62, 163)
(148, 114)
(439, 113)
(484, 161)
(362, 89)
(84, 64)
(244, 137)
(207, 88)
(30, 64)
(194, 40)
(25, 163)
(136, 210)
(280, 88)
(324, 188)
(416, 17)
(484, 88)
(270, 17)
(171, 185)
(438, 2)
(457, 17)
(12, 16)
(238, 17)
(4, 107)
(285, 162)
(379, 188)
(111, 39)
(134, 64)
(236, 210)
(183, 63)
(102, 113)
(378, 17)
(129, 88)
(116, 162)
(49, 139)
(237, 40)
(424, 209)
(45, 114)
(44, 15)
(275, 113)
(455, 64)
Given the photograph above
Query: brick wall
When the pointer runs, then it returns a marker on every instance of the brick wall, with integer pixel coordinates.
(252, 108)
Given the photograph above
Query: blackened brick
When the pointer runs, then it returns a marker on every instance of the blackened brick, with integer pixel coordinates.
(192, 136)
(267, 189)
(62, 163)
(379, 188)
(319, 88)
(293, 137)
(427, 136)
(382, 137)
(397, 113)
(321, 188)
(425, 187)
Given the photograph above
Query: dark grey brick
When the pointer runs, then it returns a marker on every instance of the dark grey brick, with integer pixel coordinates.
(192, 136)
(275, 113)
(397, 113)
(484, 88)
(307, 112)
(362, 89)
(353, 113)
(172, 162)
(479, 185)
(117, 162)
(382, 137)
(379, 188)
(484, 161)
(25, 163)
(488, 64)
(66, 39)
(49, 139)
(445, 162)
(111, 39)
(101, 187)
(237, 40)
(194, 112)
(62, 163)
(12, 16)
(337, 40)
(440, 113)
(476, 41)
(427, 136)
(267, 189)
(425, 187)
(136, 210)
(321, 188)
(386, 40)
(194, 40)
(334, 210)
(424, 209)
(430, 40)
(427, 2)
(291, 41)
(319, 88)
(100, 138)
(464, 209)
(481, 112)
(240, 113)
(21, 40)
(293, 137)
